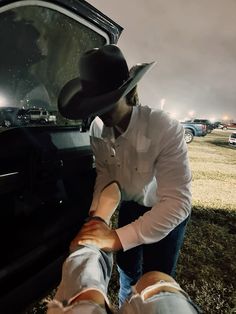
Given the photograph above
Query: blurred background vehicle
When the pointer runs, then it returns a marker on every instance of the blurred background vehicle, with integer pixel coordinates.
(231, 126)
(232, 139)
(226, 126)
(39, 116)
(9, 117)
(222, 126)
(209, 125)
(16, 117)
(193, 129)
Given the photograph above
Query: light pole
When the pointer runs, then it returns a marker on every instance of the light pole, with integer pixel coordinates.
(163, 101)
(191, 114)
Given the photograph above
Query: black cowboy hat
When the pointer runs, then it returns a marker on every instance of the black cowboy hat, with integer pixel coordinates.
(104, 79)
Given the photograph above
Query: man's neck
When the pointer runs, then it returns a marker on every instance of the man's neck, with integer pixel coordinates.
(122, 126)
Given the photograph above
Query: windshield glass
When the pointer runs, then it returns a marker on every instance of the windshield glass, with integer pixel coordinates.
(40, 49)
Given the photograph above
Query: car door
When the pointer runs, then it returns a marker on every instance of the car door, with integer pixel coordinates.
(46, 170)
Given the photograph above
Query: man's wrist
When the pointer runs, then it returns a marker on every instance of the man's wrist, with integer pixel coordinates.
(98, 218)
(117, 244)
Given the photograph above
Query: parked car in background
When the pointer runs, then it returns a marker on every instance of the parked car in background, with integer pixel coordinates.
(209, 125)
(231, 126)
(226, 126)
(232, 139)
(222, 126)
(46, 171)
(39, 115)
(9, 117)
(193, 129)
(16, 117)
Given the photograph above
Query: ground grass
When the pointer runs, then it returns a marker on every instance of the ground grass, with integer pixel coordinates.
(207, 264)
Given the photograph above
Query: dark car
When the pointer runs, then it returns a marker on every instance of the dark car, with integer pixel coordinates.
(9, 117)
(46, 171)
(222, 126)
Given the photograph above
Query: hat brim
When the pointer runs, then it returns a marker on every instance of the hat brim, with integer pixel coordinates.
(73, 103)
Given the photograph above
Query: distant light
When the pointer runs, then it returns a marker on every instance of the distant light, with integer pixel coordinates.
(163, 101)
(213, 119)
(225, 118)
(173, 115)
(191, 113)
(3, 101)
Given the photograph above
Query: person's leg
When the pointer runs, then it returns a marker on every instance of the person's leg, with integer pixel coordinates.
(156, 293)
(130, 270)
(130, 262)
(163, 255)
(85, 277)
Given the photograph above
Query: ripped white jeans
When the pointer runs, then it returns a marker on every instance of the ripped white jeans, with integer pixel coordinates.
(90, 268)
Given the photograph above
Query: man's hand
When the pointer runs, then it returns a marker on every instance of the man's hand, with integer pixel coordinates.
(99, 234)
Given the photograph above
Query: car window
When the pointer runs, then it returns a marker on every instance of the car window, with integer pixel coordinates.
(40, 49)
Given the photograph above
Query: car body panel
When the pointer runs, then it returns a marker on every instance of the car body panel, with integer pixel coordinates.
(209, 125)
(192, 129)
(46, 171)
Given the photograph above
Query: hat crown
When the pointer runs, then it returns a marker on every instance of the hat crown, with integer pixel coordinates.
(103, 70)
(103, 80)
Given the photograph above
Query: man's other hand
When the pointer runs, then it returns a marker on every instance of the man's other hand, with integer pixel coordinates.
(99, 234)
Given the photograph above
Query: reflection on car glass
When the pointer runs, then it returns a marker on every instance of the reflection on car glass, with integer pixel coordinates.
(37, 58)
(19, 51)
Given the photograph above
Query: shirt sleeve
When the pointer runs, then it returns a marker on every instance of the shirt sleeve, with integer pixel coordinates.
(103, 178)
(173, 176)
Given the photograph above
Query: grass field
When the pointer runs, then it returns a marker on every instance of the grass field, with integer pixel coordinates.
(207, 264)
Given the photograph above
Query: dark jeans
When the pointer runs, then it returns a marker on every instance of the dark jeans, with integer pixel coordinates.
(160, 256)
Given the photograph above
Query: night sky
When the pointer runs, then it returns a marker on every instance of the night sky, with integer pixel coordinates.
(194, 44)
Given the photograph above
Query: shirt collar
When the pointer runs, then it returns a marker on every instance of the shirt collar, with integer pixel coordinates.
(108, 132)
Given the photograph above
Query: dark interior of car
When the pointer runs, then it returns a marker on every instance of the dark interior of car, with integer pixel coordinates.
(46, 184)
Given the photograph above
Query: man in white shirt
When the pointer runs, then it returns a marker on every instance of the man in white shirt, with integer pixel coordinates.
(144, 151)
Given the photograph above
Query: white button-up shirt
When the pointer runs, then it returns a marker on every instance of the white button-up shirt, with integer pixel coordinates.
(150, 162)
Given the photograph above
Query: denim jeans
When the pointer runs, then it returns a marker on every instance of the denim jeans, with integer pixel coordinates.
(90, 268)
(164, 302)
(161, 256)
(85, 269)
